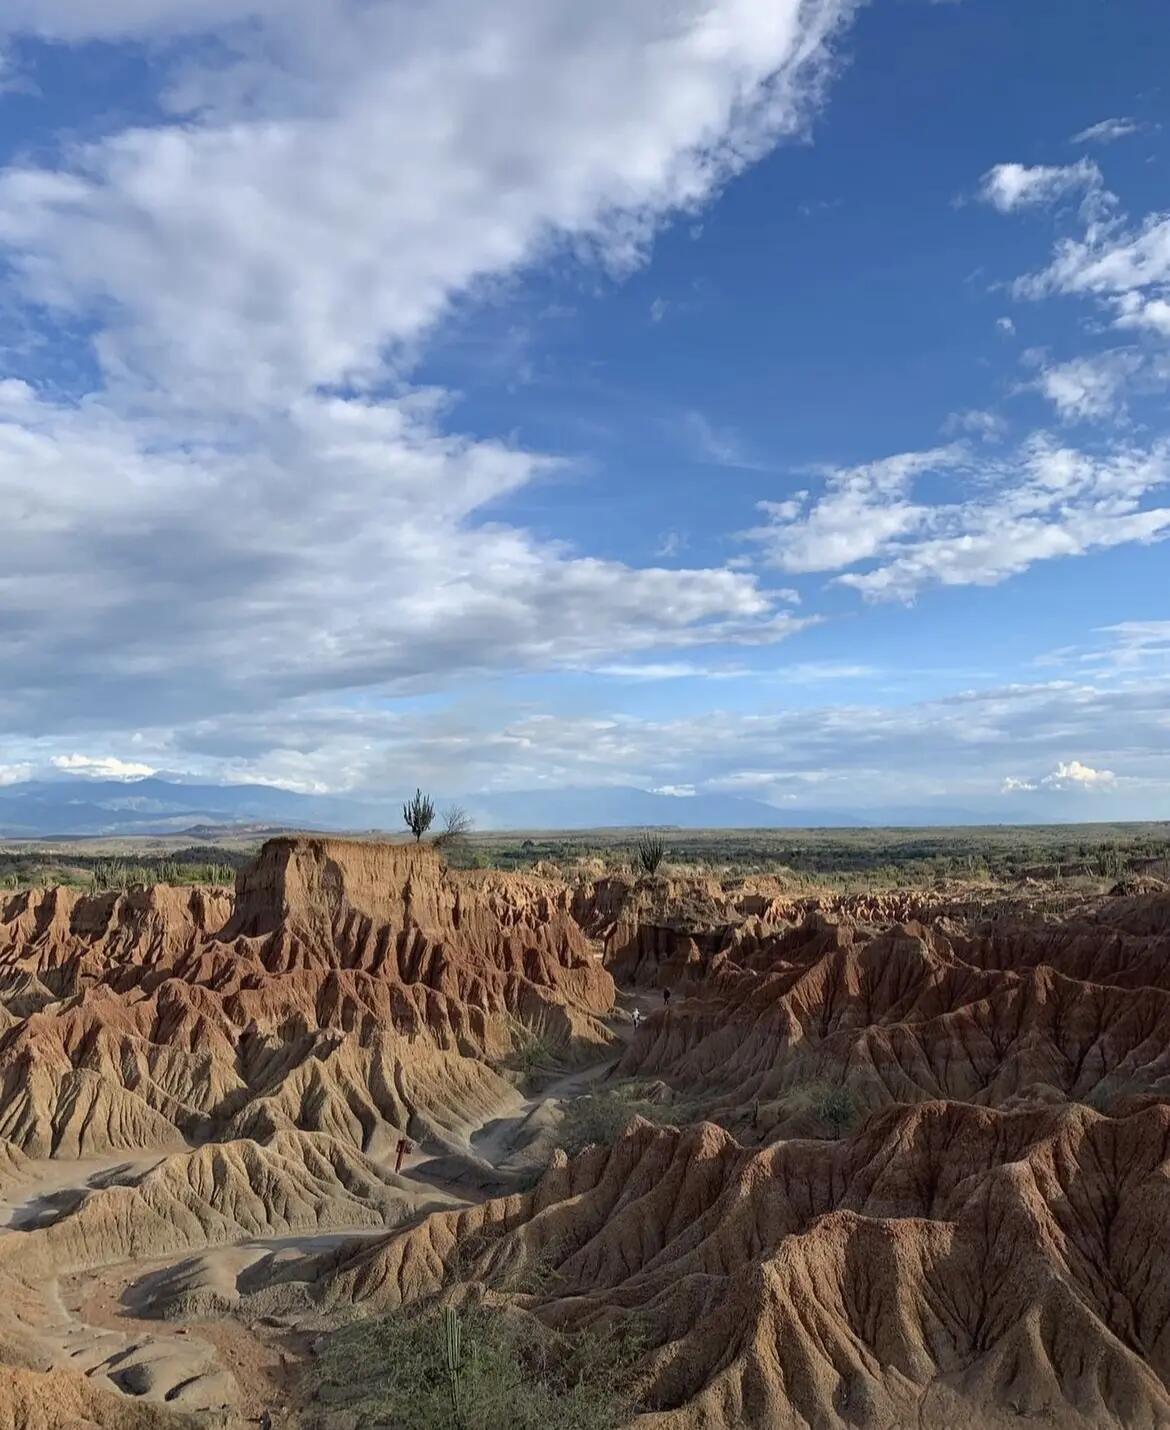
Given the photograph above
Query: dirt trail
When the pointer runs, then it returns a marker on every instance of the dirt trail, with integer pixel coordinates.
(504, 1148)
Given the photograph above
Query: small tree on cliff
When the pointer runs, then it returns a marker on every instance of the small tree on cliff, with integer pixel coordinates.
(419, 814)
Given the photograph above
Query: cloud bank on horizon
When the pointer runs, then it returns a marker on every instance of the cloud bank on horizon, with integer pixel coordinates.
(399, 393)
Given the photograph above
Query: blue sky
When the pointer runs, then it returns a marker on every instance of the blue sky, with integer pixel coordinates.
(713, 396)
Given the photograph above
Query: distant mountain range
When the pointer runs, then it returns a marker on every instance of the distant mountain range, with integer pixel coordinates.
(58, 807)
(44, 808)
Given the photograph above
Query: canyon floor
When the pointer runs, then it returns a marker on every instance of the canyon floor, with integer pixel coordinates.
(877, 1161)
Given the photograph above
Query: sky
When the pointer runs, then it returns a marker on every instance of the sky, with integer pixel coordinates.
(702, 396)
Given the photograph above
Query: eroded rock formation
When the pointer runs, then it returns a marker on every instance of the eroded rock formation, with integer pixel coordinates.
(920, 1173)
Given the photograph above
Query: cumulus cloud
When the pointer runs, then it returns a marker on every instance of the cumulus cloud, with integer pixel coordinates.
(105, 767)
(1072, 774)
(1043, 501)
(1009, 187)
(1068, 775)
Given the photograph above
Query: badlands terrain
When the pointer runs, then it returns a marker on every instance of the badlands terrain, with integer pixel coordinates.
(896, 1160)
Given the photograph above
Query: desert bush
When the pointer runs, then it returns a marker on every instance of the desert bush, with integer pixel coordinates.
(837, 1109)
(651, 852)
(532, 1052)
(474, 1369)
(457, 825)
(602, 1117)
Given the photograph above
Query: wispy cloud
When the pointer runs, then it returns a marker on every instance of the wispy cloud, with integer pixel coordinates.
(977, 422)
(720, 446)
(671, 543)
(1009, 187)
(1090, 388)
(1128, 269)
(1107, 131)
(1040, 502)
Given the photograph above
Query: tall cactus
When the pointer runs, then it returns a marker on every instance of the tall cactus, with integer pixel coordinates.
(454, 1345)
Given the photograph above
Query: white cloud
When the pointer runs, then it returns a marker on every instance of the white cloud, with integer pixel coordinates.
(217, 525)
(1006, 326)
(1136, 644)
(1068, 775)
(976, 421)
(1043, 501)
(1107, 131)
(844, 756)
(1075, 775)
(659, 309)
(813, 672)
(239, 575)
(354, 174)
(15, 774)
(719, 446)
(675, 791)
(668, 670)
(1127, 269)
(1009, 187)
(105, 767)
(1089, 388)
(863, 510)
(1141, 312)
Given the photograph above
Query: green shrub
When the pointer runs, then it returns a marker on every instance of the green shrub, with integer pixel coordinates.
(532, 1053)
(602, 1117)
(474, 1369)
(838, 1110)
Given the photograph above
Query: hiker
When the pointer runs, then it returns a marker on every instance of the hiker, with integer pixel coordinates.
(403, 1148)
(637, 1019)
(666, 997)
(265, 1420)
